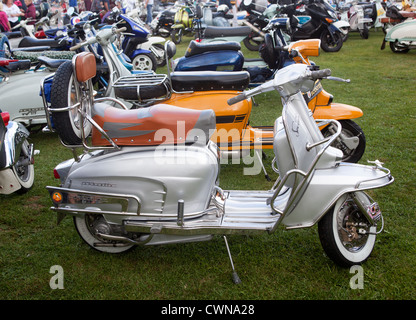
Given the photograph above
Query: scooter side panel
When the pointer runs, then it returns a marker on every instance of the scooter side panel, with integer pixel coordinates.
(20, 97)
(405, 31)
(327, 186)
(159, 177)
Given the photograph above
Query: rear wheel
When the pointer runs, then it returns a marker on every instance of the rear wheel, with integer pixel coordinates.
(364, 33)
(63, 94)
(396, 48)
(345, 234)
(91, 227)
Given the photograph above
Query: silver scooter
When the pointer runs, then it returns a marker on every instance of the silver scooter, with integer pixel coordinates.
(149, 176)
(17, 172)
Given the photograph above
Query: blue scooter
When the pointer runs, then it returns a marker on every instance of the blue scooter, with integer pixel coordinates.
(145, 53)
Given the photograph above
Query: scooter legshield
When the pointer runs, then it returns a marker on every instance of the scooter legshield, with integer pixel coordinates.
(328, 185)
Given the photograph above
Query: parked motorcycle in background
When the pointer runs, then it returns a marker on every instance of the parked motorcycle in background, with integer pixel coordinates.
(183, 21)
(401, 37)
(354, 15)
(323, 24)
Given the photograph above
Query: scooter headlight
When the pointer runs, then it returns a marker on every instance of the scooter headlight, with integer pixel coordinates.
(332, 14)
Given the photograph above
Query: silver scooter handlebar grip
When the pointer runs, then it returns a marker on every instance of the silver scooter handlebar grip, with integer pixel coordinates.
(77, 46)
(120, 30)
(236, 99)
(320, 74)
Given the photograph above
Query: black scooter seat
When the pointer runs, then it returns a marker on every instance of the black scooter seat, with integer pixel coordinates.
(209, 80)
(32, 42)
(17, 65)
(195, 48)
(32, 49)
(51, 62)
(214, 32)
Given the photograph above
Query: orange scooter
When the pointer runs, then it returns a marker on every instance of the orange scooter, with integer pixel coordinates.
(199, 90)
(211, 89)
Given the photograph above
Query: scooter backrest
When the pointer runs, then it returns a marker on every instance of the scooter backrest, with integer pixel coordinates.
(84, 66)
(170, 49)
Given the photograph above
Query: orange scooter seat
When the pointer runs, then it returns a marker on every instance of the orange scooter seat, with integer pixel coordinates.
(152, 126)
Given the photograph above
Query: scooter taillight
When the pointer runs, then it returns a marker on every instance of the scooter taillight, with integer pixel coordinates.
(56, 174)
(6, 117)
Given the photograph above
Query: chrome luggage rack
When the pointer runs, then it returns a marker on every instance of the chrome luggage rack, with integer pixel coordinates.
(143, 89)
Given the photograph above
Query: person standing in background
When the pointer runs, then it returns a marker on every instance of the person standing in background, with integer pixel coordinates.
(149, 7)
(96, 6)
(30, 12)
(4, 20)
(87, 4)
(13, 12)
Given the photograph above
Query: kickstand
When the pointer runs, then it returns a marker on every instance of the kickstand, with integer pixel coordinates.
(262, 165)
(236, 278)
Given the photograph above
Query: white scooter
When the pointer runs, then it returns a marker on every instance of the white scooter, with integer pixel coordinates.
(354, 15)
(149, 176)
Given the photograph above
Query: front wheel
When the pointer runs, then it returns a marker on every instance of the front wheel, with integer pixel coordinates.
(144, 62)
(176, 35)
(252, 41)
(24, 169)
(331, 42)
(351, 141)
(345, 234)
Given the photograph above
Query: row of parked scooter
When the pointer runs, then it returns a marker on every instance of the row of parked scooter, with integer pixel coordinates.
(154, 142)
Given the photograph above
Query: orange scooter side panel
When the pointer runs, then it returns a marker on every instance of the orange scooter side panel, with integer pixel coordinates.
(337, 111)
(231, 120)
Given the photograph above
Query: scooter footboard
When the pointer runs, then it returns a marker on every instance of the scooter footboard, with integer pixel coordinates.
(324, 190)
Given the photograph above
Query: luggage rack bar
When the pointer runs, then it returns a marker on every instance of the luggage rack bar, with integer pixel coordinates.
(143, 88)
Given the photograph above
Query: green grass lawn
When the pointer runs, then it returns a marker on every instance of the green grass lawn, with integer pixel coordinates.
(284, 265)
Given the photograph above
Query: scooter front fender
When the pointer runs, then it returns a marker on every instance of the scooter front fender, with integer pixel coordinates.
(328, 185)
(15, 135)
(337, 111)
(140, 51)
(340, 25)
